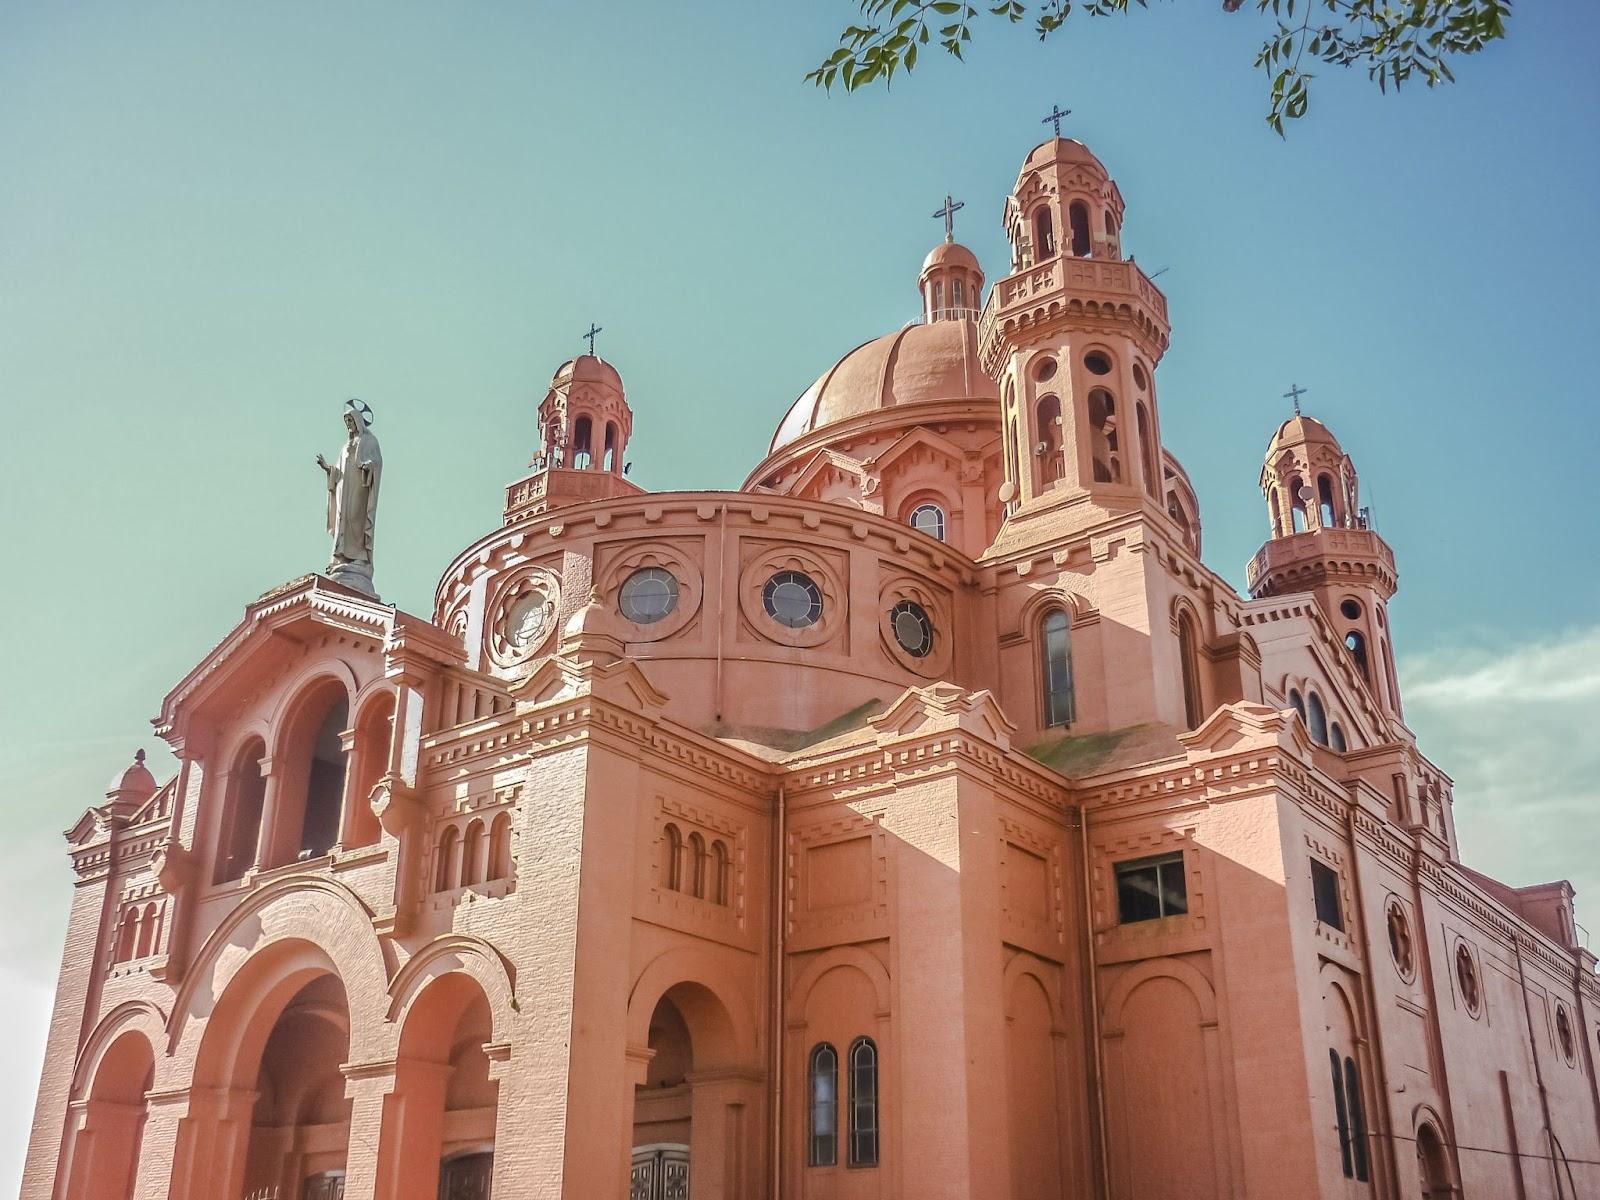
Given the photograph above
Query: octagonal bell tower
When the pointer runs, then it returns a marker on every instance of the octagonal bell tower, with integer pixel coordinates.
(1074, 335)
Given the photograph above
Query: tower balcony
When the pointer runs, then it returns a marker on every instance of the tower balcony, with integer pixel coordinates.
(557, 487)
(1320, 557)
(1091, 292)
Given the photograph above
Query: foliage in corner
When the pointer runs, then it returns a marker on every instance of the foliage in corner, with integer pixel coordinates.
(1395, 40)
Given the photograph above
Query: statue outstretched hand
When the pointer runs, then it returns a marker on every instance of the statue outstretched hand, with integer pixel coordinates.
(323, 463)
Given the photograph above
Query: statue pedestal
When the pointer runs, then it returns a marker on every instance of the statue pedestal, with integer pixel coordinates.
(353, 575)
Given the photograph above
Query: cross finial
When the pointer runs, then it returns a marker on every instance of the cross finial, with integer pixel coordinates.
(1056, 113)
(948, 212)
(593, 329)
(1294, 393)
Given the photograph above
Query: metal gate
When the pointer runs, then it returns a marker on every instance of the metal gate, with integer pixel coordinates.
(660, 1172)
(467, 1177)
(327, 1186)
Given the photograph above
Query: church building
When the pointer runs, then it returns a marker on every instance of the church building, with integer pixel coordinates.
(923, 820)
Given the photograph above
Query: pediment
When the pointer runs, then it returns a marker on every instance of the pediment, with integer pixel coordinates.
(1245, 725)
(274, 628)
(941, 706)
(620, 683)
(825, 467)
(913, 446)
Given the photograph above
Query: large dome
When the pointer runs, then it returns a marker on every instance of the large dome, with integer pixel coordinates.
(919, 364)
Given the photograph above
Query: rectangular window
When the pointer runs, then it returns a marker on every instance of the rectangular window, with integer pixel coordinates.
(1151, 888)
(1325, 889)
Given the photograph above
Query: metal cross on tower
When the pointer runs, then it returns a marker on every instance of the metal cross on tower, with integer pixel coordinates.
(1294, 393)
(1056, 113)
(593, 329)
(948, 212)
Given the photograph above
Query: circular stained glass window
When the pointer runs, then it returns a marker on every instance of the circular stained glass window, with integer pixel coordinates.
(648, 595)
(792, 599)
(912, 629)
(1467, 979)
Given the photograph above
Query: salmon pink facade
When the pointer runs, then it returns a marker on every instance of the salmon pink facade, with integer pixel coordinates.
(923, 819)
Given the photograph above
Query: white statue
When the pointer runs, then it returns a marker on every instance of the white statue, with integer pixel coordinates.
(353, 500)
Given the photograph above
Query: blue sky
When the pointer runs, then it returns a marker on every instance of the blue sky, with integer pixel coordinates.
(216, 222)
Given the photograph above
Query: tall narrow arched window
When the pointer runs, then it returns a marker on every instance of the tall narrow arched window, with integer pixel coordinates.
(1317, 719)
(1055, 661)
(1298, 503)
(500, 847)
(938, 300)
(1325, 501)
(958, 297)
(1111, 228)
(1147, 452)
(719, 872)
(1358, 1119)
(241, 822)
(319, 829)
(582, 443)
(697, 865)
(928, 519)
(672, 859)
(1336, 738)
(446, 865)
(610, 461)
(1103, 436)
(1189, 659)
(1357, 645)
(1341, 1115)
(1297, 702)
(1052, 466)
(127, 936)
(823, 1146)
(149, 923)
(1078, 217)
(863, 1103)
(1044, 234)
(472, 854)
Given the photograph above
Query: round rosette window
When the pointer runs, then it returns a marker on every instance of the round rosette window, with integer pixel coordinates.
(912, 629)
(523, 617)
(648, 595)
(915, 626)
(656, 586)
(792, 599)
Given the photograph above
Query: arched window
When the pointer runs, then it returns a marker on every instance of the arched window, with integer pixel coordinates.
(582, 443)
(1299, 504)
(1111, 227)
(1337, 739)
(697, 864)
(1052, 466)
(1055, 661)
(1325, 501)
(127, 936)
(1013, 475)
(1103, 436)
(1189, 658)
(824, 1077)
(1147, 452)
(1044, 235)
(1432, 1164)
(1298, 702)
(1342, 1115)
(610, 461)
(672, 859)
(149, 928)
(500, 847)
(863, 1103)
(370, 761)
(319, 829)
(1358, 1119)
(1078, 217)
(241, 824)
(1388, 670)
(1317, 719)
(928, 519)
(719, 872)
(472, 855)
(1357, 645)
(446, 865)
(938, 299)
(958, 298)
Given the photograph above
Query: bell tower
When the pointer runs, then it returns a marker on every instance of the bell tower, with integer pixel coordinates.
(584, 426)
(1322, 542)
(1074, 335)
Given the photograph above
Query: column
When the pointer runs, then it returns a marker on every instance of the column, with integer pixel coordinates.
(212, 1141)
(269, 839)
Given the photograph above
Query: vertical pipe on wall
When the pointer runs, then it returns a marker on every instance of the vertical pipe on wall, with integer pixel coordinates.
(721, 617)
(1092, 974)
(779, 1032)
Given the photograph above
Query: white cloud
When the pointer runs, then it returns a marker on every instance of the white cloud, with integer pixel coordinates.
(1515, 726)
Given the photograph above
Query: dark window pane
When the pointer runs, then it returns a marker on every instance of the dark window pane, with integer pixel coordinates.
(1174, 888)
(1151, 888)
(1358, 1119)
(1325, 890)
(1340, 1114)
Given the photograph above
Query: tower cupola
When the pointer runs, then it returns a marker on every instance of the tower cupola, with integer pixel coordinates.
(1322, 542)
(951, 283)
(1065, 203)
(584, 427)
